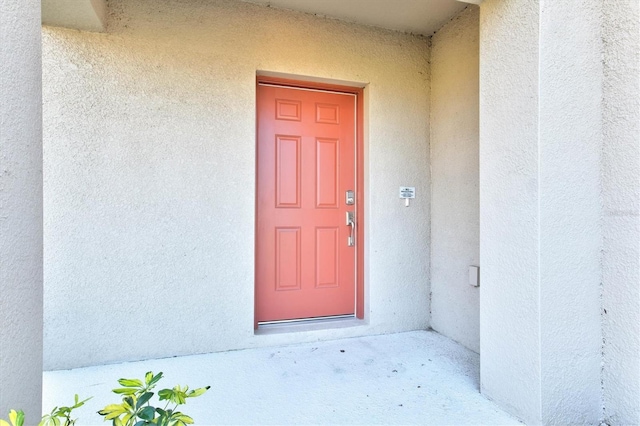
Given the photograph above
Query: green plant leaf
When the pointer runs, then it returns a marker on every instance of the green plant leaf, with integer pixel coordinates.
(177, 395)
(148, 376)
(129, 383)
(61, 412)
(126, 419)
(147, 413)
(197, 392)
(125, 391)
(16, 417)
(45, 421)
(128, 402)
(182, 418)
(165, 394)
(78, 403)
(144, 398)
(154, 380)
(113, 410)
(165, 420)
(168, 394)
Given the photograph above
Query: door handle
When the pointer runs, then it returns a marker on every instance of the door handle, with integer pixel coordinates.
(351, 221)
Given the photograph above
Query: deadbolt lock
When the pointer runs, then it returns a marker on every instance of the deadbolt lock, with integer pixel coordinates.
(350, 198)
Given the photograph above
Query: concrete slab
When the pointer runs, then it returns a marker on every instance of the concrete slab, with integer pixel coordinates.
(418, 377)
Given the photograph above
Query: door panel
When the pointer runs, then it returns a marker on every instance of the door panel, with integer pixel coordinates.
(327, 257)
(327, 177)
(288, 179)
(287, 259)
(306, 162)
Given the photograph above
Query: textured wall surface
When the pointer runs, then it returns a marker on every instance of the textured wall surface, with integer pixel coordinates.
(540, 210)
(621, 218)
(455, 305)
(569, 149)
(20, 208)
(149, 135)
(509, 250)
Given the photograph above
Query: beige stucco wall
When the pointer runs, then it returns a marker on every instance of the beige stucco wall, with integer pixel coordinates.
(560, 202)
(540, 208)
(149, 134)
(455, 244)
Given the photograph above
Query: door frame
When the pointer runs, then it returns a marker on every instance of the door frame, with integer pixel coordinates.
(360, 190)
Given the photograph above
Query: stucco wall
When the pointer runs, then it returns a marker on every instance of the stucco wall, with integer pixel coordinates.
(570, 145)
(540, 208)
(20, 208)
(149, 135)
(455, 305)
(508, 242)
(621, 212)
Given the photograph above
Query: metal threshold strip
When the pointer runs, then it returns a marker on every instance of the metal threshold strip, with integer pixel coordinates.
(307, 320)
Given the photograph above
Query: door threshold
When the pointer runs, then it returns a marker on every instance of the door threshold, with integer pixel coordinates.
(308, 324)
(300, 320)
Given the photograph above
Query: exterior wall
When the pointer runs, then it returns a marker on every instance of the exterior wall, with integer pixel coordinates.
(508, 206)
(20, 208)
(455, 241)
(149, 135)
(621, 213)
(570, 208)
(540, 208)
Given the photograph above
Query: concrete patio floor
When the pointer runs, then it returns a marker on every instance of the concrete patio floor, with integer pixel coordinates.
(417, 377)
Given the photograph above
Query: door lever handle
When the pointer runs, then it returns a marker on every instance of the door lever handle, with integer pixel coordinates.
(351, 221)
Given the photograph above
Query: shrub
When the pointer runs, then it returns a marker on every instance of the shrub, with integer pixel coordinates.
(135, 409)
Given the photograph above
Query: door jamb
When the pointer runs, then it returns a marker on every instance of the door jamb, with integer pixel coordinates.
(360, 192)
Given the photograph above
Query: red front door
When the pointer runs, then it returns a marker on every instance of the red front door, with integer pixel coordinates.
(305, 251)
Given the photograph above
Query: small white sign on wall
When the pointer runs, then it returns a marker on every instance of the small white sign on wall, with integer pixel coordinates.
(406, 193)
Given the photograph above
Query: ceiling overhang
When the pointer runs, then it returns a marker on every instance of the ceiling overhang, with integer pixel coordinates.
(421, 17)
(87, 15)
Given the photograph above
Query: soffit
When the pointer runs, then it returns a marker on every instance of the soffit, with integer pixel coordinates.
(421, 17)
(87, 15)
